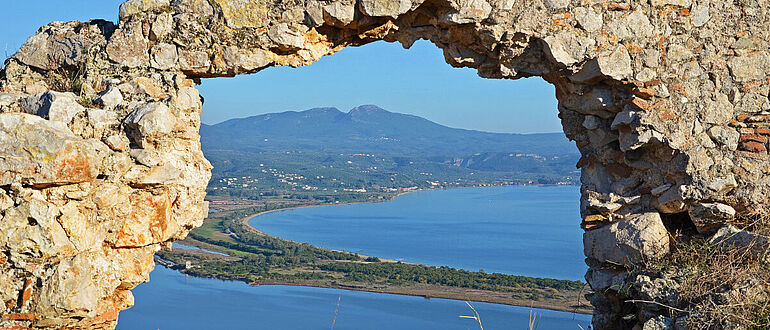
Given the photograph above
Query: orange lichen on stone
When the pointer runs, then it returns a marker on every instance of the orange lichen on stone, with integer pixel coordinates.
(71, 165)
(751, 85)
(378, 32)
(107, 313)
(665, 114)
(20, 317)
(657, 104)
(149, 87)
(151, 216)
(26, 293)
(640, 103)
(652, 83)
(633, 49)
(187, 83)
(643, 92)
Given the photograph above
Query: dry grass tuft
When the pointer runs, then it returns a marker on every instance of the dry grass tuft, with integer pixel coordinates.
(720, 287)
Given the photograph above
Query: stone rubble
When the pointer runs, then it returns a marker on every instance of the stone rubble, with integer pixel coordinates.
(667, 101)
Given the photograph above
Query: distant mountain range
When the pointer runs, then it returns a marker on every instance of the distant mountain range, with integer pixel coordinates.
(369, 129)
(325, 149)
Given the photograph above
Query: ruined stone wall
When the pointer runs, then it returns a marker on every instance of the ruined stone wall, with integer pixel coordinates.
(101, 165)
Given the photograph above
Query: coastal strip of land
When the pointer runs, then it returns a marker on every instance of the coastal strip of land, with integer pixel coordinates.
(254, 257)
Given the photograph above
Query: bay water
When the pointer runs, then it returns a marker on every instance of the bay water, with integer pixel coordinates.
(522, 230)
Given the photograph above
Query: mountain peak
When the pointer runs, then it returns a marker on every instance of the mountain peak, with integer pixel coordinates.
(367, 108)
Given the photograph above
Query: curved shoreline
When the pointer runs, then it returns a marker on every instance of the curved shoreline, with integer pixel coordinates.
(245, 220)
(520, 303)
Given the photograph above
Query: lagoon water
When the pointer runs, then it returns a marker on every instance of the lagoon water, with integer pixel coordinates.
(523, 230)
(174, 301)
(518, 230)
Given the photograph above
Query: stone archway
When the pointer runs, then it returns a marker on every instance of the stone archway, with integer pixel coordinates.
(101, 162)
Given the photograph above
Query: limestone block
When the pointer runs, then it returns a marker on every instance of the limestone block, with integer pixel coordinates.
(672, 201)
(749, 67)
(151, 120)
(150, 222)
(55, 46)
(635, 239)
(468, 11)
(243, 13)
(188, 98)
(591, 122)
(662, 289)
(602, 279)
(194, 61)
(615, 65)
(339, 13)
(389, 8)
(557, 4)
(597, 102)
(164, 56)
(54, 106)
(246, 60)
(631, 26)
(133, 7)
(729, 237)
(163, 24)
(567, 47)
(589, 19)
(101, 120)
(708, 217)
(86, 279)
(31, 230)
(40, 152)
(725, 136)
(199, 8)
(8, 101)
(286, 37)
(117, 142)
(110, 98)
(658, 323)
(128, 46)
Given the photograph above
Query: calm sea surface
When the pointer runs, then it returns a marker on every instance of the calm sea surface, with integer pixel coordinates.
(173, 301)
(523, 230)
(518, 230)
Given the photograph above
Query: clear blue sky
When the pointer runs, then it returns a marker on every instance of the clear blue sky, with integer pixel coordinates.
(415, 81)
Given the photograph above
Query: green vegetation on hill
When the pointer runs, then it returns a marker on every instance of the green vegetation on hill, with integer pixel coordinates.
(369, 129)
(324, 153)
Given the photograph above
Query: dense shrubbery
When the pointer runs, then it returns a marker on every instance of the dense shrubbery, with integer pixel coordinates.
(447, 276)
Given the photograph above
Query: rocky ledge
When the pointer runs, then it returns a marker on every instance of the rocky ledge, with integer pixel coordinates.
(667, 101)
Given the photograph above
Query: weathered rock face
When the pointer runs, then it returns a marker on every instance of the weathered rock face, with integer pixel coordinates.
(101, 162)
